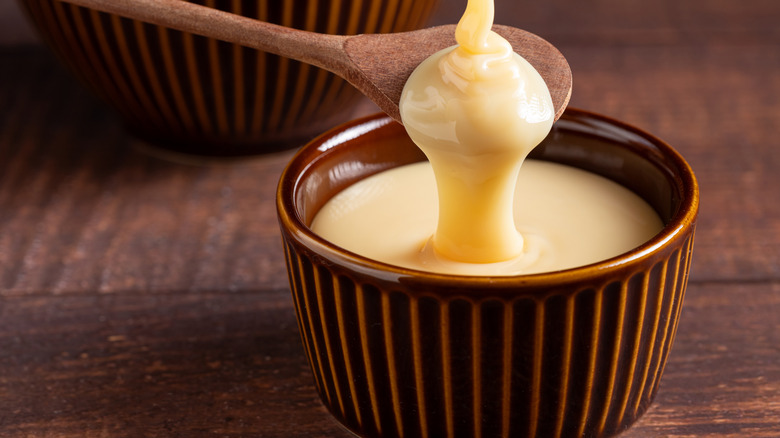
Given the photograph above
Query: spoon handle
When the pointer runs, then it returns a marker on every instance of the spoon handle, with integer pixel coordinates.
(321, 50)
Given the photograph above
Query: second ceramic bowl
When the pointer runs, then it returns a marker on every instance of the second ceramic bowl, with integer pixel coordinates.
(186, 93)
(580, 352)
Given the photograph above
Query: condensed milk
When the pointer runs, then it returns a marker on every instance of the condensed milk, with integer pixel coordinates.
(476, 110)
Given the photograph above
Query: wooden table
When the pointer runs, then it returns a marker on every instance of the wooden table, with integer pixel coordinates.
(143, 297)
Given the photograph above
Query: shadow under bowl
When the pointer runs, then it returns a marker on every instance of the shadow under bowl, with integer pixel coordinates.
(578, 352)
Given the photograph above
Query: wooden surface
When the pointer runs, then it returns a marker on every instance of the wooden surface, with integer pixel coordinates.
(145, 297)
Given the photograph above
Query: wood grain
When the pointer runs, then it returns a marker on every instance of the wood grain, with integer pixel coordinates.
(231, 364)
(142, 296)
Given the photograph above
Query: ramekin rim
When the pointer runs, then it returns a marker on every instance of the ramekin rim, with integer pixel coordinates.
(683, 220)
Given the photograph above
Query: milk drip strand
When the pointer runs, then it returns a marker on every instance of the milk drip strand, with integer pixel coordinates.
(476, 110)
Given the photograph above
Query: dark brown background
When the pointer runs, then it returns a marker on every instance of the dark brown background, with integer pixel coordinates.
(143, 297)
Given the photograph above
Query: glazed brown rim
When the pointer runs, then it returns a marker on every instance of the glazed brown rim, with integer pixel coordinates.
(681, 222)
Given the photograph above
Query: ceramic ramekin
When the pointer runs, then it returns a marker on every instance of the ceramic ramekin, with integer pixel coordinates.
(189, 94)
(579, 352)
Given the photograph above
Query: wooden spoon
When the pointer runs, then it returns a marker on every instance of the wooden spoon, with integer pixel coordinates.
(376, 64)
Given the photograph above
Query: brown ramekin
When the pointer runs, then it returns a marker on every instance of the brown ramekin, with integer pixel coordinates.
(189, 94)
(578, 352)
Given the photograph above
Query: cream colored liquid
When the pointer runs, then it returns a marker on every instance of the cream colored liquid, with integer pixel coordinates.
(476, 110)
(568, 218)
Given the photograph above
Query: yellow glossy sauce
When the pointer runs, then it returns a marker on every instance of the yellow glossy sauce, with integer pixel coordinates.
(568, 218)
(476, 110)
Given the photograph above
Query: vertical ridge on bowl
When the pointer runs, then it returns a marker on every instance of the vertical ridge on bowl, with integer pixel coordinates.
(489, 367)
(198, 95)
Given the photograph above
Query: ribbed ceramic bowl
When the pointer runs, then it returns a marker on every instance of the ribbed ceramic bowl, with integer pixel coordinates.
(398, 352)
(197, 95)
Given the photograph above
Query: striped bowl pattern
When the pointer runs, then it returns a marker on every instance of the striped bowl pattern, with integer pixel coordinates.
(197, 95)
(397, 352)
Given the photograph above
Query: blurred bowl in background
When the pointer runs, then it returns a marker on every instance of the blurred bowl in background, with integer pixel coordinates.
(186, 93)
